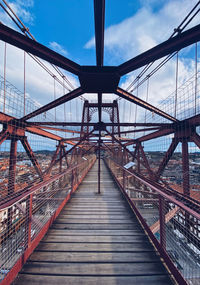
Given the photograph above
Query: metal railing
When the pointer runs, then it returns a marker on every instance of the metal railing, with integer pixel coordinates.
(171, 220)
(27, 216)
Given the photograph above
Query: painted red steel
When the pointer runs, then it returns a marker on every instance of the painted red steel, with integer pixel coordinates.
(32, 244)
(100, 79)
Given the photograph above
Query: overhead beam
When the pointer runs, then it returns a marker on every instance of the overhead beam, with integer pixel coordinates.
(43, 133)
(18, 40)
(63, 99)
(8, 120)
(58, 129)
(168, 47)
(137, 131)
(130, 97)
(91, 124)
(99, 18)
(151, 136)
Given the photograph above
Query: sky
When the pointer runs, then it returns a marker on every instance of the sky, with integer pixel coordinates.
(131, 27)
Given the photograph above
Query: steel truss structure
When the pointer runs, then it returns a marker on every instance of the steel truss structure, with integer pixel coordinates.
(147, 185)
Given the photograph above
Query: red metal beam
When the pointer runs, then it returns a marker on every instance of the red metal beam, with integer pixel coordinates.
(185, 167)
(123, 146)
(92, 124)
(130, 97)
(77, 144)
(176, 43)
(12, 166)
(32, 157)
(167, 157)
(196, 139)
(40, 132)
(15, 38)
(13, 122)
(3, 136)
(63, 99)
(137, 131)
(146, 163)
(59, 129)
(99, 17)
(154, 135)
(53, 159)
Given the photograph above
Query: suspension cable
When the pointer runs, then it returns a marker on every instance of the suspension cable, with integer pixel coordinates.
(4, 98)
(24, 83)
(195, 92)
(27, 33)
(176, 90)
(178, 30)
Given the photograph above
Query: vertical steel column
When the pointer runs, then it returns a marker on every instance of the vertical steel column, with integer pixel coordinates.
(60, 165)
(138, 165)
(99, 164)
(186, 177)
(12, 166)
(185, 167)
(11, 176)
(124, 174)
(28, 222)
(162, 222)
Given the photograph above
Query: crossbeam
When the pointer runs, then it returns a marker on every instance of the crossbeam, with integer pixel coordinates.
(176, 43)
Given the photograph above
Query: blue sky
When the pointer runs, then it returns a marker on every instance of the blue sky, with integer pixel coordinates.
(71, 23)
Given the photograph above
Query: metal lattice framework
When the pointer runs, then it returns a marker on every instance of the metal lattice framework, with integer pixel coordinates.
(143, 185)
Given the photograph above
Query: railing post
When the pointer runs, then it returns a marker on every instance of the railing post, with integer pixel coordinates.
(72, 181)
(99, 164)
(11, 177)
(162, 222)
(123, 171)
(28, 214)
(186, 176)
(60, 165)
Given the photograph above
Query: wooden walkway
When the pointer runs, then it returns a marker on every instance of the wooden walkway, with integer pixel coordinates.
(95, 240)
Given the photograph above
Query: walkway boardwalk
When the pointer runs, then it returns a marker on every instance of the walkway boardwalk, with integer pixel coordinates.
(95, 240)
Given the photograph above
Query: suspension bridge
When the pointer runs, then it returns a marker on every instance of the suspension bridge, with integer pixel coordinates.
(104, 190)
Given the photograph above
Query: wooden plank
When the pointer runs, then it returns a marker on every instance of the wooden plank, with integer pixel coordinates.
(91, 269)
(95, 226)
(96, 232)
(30, 279)
(93, 206)
(93, 216)
(95, 257)
(93, 212)
(96, 239)
(93, 239)
(71, 247)
(93, 221)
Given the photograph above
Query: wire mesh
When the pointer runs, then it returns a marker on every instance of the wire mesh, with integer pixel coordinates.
(175, 227)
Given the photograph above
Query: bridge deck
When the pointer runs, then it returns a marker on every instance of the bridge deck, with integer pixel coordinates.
(95, 240)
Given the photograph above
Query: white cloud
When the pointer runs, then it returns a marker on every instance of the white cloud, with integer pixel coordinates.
(143, 30)
(58, 48)
(39, 84)
(136, 34)
(21, 8)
